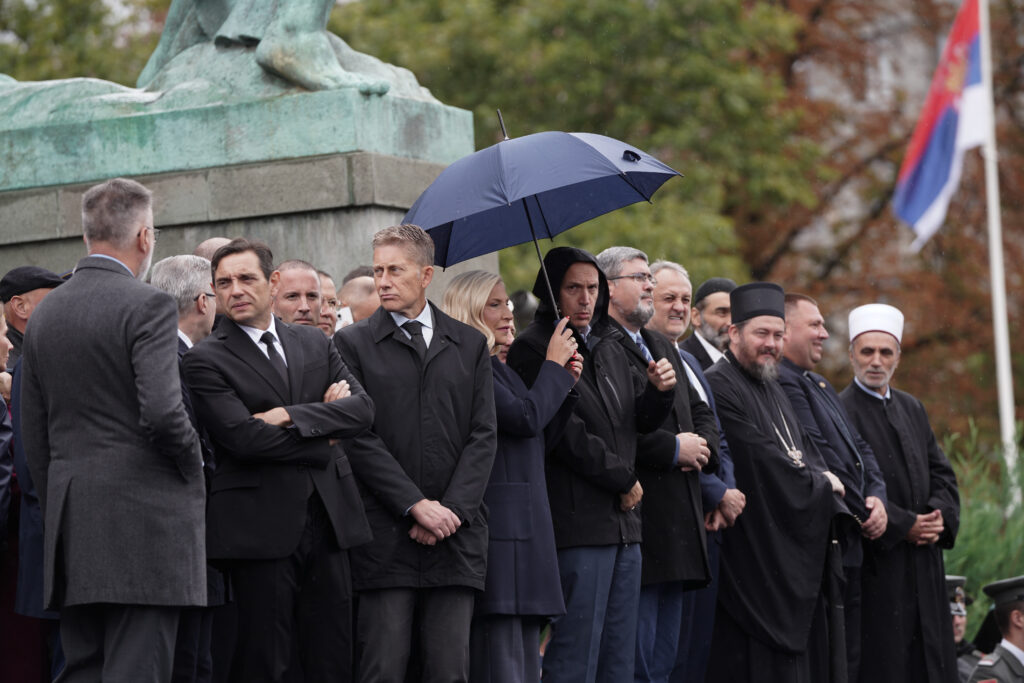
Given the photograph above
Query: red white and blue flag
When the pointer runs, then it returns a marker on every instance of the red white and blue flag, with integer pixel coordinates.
(956, 117)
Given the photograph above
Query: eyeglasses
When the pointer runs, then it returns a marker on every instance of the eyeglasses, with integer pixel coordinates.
(207, 294)
(156, 232)
(638, 278)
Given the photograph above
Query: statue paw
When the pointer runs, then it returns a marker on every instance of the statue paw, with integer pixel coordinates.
(308, 60)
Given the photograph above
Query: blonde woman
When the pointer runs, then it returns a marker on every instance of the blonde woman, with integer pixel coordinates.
(523, 588)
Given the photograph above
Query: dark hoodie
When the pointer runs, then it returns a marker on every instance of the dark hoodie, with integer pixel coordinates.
(593, 461)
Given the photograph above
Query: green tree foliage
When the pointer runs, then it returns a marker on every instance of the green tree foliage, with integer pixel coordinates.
(684, 81)
(43, 40)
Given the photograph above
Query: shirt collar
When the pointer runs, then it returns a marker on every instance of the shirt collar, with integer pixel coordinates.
(872, 392)
(424, 317)
(713, 353)
(118, 261)
(255, 333)
(184, 337)
(1013, 649)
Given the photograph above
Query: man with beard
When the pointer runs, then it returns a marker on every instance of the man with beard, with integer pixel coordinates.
(295, 288)
(721, 501)
(591, 472)
(826, 423)
(113, 455)
(711, 319)
(771, 622)
(669, 461)
(905, 625)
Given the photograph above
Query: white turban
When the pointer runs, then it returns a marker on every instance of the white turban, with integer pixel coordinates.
(876, 318)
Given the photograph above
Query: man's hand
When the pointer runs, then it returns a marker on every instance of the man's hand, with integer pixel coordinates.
(693, 451)
(926, 529)
(731, 505)
(628, 500)
(661, 374)
(435, 518)
(5, 386)
(336, 391)
(715, 520)
(837, 486)
(874, 525)
(421, 535)
(278, 417)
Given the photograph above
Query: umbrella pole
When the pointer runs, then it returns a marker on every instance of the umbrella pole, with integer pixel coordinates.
(543, 268)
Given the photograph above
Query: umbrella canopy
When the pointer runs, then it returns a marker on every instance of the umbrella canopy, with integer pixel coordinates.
(530, 187)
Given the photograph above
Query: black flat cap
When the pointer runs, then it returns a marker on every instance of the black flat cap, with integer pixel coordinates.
(26, 278)
(1007, 590)
(757, 298)
(715, 284)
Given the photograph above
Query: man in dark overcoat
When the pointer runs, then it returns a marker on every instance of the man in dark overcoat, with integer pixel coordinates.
(275, 399)
(430, 378)
(669, 461)
(113, 455)
(592, 481)
(905, 626)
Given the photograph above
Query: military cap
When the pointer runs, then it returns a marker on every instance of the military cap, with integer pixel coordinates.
(1007, 590)
(757, 298)
(26, 278)
(958, 598)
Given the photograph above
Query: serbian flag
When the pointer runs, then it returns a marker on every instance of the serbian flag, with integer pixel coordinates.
(956, 117)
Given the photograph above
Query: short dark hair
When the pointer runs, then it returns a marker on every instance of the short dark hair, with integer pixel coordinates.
(793, 300)
(240, 245)
(110, 209)
(1002, 614)
(358, 271)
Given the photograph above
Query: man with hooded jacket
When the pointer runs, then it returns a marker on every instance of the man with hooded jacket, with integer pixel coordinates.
(592, 481)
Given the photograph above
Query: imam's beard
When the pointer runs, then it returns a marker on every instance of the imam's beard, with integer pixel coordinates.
(718, 338)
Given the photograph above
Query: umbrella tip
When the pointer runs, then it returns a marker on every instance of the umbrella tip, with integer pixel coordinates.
(501, 122)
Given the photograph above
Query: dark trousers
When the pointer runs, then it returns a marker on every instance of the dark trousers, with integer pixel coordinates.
(391, 619)
(118, 643)
(295, 613)
(659, 619)
(192, 661)
(505, 648)
(851, 612)
(595, 640)
(698, 623)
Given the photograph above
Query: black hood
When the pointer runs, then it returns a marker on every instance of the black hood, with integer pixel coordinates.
(557, 262)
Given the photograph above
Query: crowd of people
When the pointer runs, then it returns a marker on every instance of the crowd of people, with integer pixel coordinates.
(240, 471)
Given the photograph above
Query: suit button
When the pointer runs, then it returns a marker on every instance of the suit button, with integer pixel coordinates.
(315, 431)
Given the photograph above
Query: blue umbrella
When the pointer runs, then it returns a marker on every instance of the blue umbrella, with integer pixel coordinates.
(535, 186)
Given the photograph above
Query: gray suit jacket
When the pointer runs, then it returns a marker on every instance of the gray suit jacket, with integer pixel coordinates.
(113, 455)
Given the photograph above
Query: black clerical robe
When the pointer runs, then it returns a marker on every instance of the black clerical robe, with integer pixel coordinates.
(905, 619)
(771, 623)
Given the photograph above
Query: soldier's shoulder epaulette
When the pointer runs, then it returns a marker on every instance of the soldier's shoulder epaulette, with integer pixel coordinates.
(990, 659)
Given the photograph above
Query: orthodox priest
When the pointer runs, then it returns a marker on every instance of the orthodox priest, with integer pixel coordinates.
(780, 568)
(904, 620)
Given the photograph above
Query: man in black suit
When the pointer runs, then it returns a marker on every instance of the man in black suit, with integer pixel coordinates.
(846, 454)
(430, 377)
(187, 279)
(275, 399)
(711, 319)
(668, 462)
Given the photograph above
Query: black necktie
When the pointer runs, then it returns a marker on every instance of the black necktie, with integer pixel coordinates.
(275, 357)
(415, 330)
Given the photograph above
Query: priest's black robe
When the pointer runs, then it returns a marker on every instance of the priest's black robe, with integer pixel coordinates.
(771, 622)
(905, 611)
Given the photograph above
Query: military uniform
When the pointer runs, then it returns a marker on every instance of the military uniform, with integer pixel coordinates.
(1002, 666)
(967, 655)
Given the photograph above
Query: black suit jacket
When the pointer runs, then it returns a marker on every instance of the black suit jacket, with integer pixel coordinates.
(675, 546)
(693, 345)
(265, 474)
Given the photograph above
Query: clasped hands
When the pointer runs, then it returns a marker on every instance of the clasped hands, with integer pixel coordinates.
(926, 529)
(434, 522)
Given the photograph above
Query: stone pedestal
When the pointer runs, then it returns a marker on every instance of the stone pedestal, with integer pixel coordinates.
(314, 174)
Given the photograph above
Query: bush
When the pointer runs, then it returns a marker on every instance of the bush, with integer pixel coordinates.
(990, 543)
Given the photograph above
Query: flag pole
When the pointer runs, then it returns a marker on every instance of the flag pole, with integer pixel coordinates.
(1004, 369)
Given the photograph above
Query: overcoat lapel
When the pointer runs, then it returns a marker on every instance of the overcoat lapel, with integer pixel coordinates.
(238, 342)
